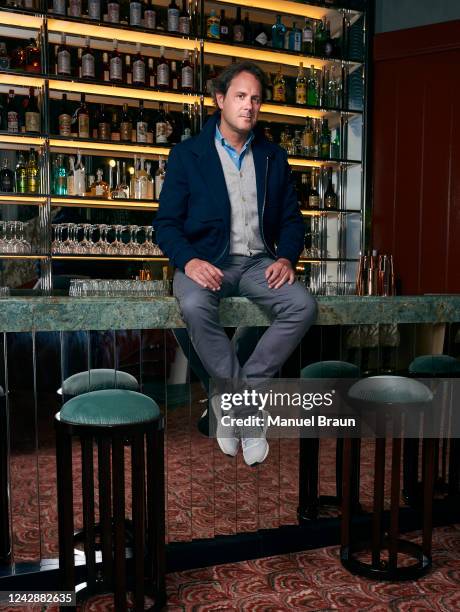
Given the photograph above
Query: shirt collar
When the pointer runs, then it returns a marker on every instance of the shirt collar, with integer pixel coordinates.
(224, 143)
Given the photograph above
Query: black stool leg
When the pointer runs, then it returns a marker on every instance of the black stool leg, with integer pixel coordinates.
(138, 497)
(156, 514)
(308, 478)
(65, 510)
(5, 543)
(379, 484)
(394, 503)
(105, 511)
(118, 476)
(428, 489)
(88, 511)
(346, 499)
(454, 467)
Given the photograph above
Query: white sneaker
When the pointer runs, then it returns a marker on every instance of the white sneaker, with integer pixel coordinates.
(226, 436)
(255, 449)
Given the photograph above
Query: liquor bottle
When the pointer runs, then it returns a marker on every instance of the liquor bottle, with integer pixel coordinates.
(139, 67)
(186, 127)
(63, 58)
(79, 177)
(260, 36)
(135, 13)
(82, 116)
(213, 26)
(174, 77)
(247, 29)
(312, 91)
(18, 58)
(113, 11)
(64, 117)
(268, 87)
(103, 124)
(308, 138)
(60, 176)
(335, 145)
(313, 196)
(184, 19)
(330, 197)
(151, 73)
(173, 17)
(295, 38)
(141, 124)
(161, 127)
(115, 127)
(12, 115)
(278, 33)
(301, 87)
(4, 57)
(150, 182)
(33, 60)
(74, 9)
(88, 63)
(126, 125)
(307, 37)
(210, 78)
(94, 10)
(124, 185)
(7, 182)
(32, 114)
(224, 28)
(268, 133)
(159, 178)
(320, 38)
(328, 41)
(325, 141)
(186, 80)
(238, 27)
(59, 7)
(303, 191)
(105, 67)
(116, 193)
(279, 87)
(21, 174)
(140, 180)
(71, 176)
(100, 189)
(162, 70)
(170, 125)
(150, 15)
(115, 65)
(128, 71)
(33, 182)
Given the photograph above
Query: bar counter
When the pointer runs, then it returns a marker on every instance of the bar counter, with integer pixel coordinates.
(28, 314)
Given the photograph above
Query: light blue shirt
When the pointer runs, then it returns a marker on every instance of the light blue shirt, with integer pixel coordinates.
(237, 158)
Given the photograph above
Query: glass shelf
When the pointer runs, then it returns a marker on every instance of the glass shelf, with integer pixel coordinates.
(314, 10)
(108, 147)
(11, 78)
(315, 162)
(88, 202)
(323, 211)
(22, 256)
(23, 199)
(109, 258)
(320, 260)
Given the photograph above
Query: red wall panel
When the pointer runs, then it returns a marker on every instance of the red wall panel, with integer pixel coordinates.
(416, 155)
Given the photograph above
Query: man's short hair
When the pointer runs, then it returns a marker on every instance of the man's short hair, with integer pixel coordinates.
(222, 82)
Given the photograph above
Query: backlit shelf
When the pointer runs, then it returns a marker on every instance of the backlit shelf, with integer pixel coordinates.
(16, 198)
(109, 147)
(22, 256)
(121, 203)
(127, 35)
(108, 258)
(305, 162)
(323, 211)
(20, 20)
(12, 79)
(121, 91)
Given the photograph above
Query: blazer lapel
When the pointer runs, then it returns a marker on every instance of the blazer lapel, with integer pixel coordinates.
(260, 154)
(213, 175)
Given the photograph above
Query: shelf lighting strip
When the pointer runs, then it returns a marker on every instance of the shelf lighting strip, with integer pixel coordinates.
(109, 147)
(84, 29)
(21, 80)
(15, 198)
(94, 203)
(280, 6)
(96, 258)
(20, 20)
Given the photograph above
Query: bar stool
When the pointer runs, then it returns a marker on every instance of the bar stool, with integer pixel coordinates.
(386, 397)
(113, 419)
(431, 366)
(309, 500)
(96, 380)
(5, 543)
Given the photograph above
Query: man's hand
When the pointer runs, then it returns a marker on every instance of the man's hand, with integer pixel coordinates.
(279, 272)
(204, 273)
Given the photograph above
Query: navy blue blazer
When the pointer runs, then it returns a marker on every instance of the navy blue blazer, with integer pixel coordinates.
(194, 215)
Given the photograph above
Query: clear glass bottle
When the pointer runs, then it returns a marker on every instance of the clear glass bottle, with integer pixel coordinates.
(141, 124)
(301, 86)
(33, 177)
(161, 127)
(141, 188)
(159, 178)
(295, 38)
(21, 174)
(100, 188)
(60, 175)
(312, 91)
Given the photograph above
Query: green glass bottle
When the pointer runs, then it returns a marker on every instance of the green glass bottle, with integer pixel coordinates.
(312, 90)
(325, 141)
(21, 174)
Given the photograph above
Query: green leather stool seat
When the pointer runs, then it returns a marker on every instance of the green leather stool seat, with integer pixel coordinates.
(390, 390)
(97, 379)
(434, 365)
(330, 369)
(109, 407)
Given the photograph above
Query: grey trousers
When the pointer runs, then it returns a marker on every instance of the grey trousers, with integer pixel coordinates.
(293, 310)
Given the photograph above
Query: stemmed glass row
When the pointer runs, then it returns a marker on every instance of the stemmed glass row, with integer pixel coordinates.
(12, 238)
(102, 239)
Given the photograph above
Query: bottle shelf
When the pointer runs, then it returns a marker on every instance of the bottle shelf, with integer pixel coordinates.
(109, 258)
(17, 198)
(10, 79)
(124, 34)
(58, 143)
(22, 256)
(11, 18)
(315, 162)
(88, 202)
(271, 56)
(302, 110)
(321, 260)
(288, 7)
(323, 211)
(8, 140)
(121, 91)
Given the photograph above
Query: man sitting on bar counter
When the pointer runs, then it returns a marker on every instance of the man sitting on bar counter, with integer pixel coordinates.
(229, 221)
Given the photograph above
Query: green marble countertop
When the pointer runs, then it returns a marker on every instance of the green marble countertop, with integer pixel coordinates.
(22, 314)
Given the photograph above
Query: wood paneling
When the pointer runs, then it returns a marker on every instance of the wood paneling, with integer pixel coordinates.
(416, 153)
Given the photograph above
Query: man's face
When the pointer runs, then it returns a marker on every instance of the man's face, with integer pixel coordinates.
(241, 105)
